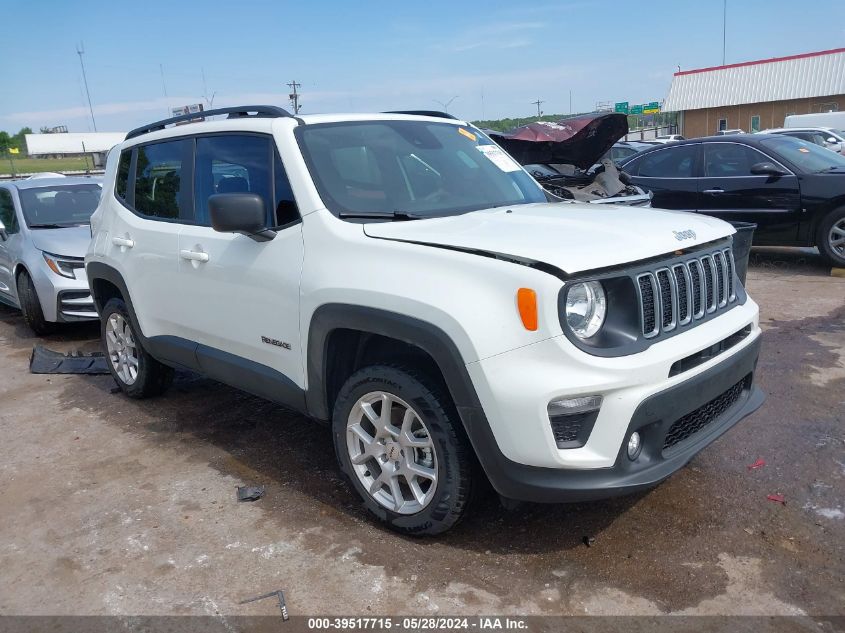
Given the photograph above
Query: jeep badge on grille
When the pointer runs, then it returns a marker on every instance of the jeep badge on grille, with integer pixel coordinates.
(688, 234)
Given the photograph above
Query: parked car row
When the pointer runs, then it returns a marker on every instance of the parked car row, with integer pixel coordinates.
(792, 189)
(402, 279)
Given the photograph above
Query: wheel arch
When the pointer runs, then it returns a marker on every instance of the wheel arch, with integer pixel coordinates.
(341, 333)
(107, 283)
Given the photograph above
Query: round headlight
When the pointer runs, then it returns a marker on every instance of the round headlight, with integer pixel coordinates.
(586, 307)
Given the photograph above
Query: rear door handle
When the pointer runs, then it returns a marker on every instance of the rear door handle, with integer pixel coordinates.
(194, 256)
(716, 190)
(123, 241)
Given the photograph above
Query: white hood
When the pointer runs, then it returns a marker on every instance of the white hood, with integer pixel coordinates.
(571, 237)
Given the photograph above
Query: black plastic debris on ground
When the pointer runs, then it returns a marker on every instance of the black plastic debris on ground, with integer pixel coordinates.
(250, 493)
(47, 361)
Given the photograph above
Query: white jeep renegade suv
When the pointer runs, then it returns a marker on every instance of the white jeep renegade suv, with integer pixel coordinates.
(401, 277)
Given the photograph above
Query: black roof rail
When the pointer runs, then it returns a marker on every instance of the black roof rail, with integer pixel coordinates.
(260, 111)
(434, 113)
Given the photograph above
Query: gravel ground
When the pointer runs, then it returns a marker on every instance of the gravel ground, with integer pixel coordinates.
(112, 506)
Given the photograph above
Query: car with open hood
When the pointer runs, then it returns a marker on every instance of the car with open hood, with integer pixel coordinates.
(576, 158)
(402, 279)
(44, 234)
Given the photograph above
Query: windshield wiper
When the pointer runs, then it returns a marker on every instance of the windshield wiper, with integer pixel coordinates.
(379, 215)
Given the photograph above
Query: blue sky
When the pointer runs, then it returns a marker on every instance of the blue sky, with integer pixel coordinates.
(496, 57)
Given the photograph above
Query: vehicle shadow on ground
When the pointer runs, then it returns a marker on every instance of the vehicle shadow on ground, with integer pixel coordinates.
(267, 444)
(798, 261)
(83, 336)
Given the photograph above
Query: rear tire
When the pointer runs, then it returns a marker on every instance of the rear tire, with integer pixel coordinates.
(413, 467)
(830, 238)
(31, 306)
(138, 374)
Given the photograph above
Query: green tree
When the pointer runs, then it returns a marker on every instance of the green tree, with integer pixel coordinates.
(5, 142)
(19, 139)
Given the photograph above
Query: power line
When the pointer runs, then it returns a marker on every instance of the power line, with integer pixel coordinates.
(294, 95)
(80, 49)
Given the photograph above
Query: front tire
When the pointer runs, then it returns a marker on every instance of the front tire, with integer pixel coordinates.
(399, 442)
(31, 306)
(138, 374)
(830, 239)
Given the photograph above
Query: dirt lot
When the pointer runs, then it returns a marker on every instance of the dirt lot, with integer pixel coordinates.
(111, 506)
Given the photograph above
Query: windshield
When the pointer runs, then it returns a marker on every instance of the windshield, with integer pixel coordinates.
(58, 206)
(418, 168)
(807, 156)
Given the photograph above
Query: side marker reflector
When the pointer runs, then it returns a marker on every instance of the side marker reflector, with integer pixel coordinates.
(526, 301)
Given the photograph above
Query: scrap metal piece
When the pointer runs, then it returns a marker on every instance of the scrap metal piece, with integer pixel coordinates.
(278, 594)
(250, 493)
(47, 361)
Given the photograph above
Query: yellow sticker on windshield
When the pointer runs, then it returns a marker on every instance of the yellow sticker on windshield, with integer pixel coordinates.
(803, 150)
(468, 134)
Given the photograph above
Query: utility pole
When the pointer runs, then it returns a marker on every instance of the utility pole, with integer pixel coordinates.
(164, 88)
(724, 29)
(537, 103)
(80, 49)
(294, 95)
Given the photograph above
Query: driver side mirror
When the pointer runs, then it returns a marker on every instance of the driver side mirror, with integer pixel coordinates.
(766, 168)
(831, 140)
(3, 235)
(242, 213)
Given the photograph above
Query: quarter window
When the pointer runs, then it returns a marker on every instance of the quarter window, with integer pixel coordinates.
(158, 180)
(7, 212)
(121, 185)
(675, 162)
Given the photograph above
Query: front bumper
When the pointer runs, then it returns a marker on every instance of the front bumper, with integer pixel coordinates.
(653, 418)
(63, 300)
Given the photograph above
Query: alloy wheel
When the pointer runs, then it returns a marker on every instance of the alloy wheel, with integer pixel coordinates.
(123, 352)
(836, 237)
(392, 452)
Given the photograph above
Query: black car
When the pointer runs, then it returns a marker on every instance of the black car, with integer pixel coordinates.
(792, 189)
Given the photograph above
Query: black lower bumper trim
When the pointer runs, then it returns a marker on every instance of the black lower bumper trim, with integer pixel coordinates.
(652, 420)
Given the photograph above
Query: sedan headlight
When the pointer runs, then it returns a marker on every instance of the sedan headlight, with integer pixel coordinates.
(63, 266)
(586, 308)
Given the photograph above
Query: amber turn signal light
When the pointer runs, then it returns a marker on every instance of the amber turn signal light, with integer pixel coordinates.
(526, 301)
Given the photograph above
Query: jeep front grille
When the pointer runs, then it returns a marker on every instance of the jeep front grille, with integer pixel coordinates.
(684, 294)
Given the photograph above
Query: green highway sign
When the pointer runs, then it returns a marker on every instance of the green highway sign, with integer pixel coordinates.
(621, 107)
(637, 109)
(651, 108)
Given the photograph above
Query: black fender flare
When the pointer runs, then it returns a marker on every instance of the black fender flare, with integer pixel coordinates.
(433, 341)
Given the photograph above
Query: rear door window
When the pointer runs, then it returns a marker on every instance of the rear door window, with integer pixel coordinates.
(160, 172)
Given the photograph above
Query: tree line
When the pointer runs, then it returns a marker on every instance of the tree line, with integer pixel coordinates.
(14, 141)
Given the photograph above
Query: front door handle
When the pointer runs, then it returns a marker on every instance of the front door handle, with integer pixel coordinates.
(714, 190)
(125, 242)
(194, 256)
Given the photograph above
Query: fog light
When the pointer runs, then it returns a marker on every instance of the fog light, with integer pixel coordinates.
(572, 420)
(635, 446)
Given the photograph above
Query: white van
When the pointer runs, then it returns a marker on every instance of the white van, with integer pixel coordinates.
(835, 120)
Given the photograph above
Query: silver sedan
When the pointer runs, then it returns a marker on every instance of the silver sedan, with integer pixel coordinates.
(44, 233)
